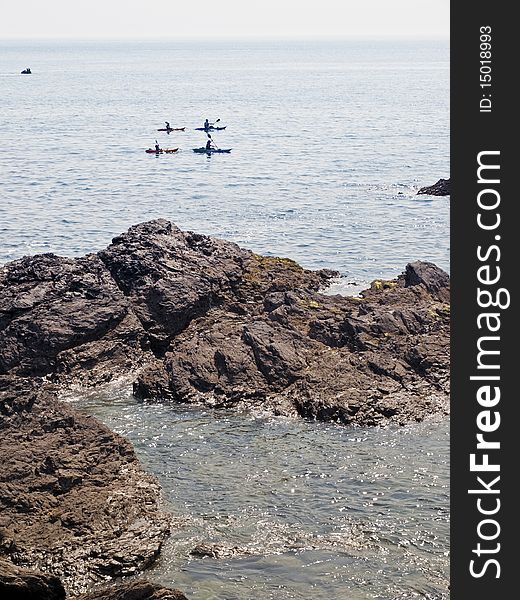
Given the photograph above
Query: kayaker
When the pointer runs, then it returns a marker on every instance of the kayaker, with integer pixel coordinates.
(206, 124)
(157, 147)
(209, 145)
(167, 125)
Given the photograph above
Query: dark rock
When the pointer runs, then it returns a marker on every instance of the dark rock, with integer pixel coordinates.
(441, 188)
(134, 590)
(202, 320)
(329, 358)
(74, 501)
(436, 281)
(191, 319)
(17, 583)
(170, 277)
(65, 316)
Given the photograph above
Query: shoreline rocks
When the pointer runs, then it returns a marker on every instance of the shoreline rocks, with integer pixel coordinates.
(74, 501)
(17, 583)
(201, 320)
(191, 319)
(134, 590)
(441, 188)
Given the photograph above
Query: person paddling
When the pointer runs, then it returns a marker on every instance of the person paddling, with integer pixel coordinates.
(209, 144)
(157, 147)
(167, 125)
(206, 124)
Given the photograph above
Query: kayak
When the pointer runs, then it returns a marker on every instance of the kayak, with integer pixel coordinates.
(211, 150)
(210, 128)
(172, 129)
(161, 150)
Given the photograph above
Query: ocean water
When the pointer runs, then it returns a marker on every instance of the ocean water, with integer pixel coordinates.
(297, 509)
(330, 143)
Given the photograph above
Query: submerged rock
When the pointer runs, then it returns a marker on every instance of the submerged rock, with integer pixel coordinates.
(441, 188)
(134, 590)
(202, 320)
(217, 551)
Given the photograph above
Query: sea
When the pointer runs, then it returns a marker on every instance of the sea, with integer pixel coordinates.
(330, 142)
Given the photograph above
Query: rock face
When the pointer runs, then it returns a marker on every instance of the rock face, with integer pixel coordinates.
(441, 188)
(59, 315)
(202, 320)
(74, 501)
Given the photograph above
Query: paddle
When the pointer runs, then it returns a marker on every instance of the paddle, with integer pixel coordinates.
(213, 141)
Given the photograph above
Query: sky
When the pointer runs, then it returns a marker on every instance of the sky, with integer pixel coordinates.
(209, 19)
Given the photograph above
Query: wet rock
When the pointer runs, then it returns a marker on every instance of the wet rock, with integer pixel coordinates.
(441, 188)
(74, 501)
(134, 590)
(217, 551)
(17, 583)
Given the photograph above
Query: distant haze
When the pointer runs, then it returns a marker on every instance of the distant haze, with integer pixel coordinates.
(210, 19)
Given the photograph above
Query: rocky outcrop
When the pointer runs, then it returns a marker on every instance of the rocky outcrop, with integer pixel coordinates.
(382, 357)
(61, 315)
(441, 188)
(201, 320)
(17, 583)
(192, 319)
(74, 501)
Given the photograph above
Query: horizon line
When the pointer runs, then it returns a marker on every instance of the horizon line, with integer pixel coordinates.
(232, 38)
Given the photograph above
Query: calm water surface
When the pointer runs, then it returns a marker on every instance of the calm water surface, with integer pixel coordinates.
(330, 143)
(314, 511)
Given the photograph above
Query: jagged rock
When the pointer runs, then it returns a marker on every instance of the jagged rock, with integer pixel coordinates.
(17, 583)
(61, 315)
(171, 277)
(436, 281)
(206, 321)
(441, 188)
(74, 501)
